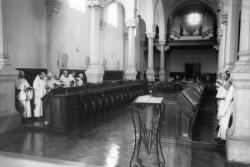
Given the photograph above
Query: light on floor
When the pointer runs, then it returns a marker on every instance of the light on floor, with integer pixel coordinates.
(112, 156)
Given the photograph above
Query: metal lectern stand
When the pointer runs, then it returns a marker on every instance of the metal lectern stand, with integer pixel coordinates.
(147, 115)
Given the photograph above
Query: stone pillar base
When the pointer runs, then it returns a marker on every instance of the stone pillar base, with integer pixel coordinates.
(163, 77)
(142, 75)
(228, 67)
(94, 74)
(130, 74)
(220, 70)
(10, 122)
(150, 75)
(238, 149)
(9, 118)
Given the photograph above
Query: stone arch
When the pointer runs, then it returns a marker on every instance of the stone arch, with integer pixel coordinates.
(159, 19)
(146, 10)
(121, 5)
(181, 3)
(112, 60)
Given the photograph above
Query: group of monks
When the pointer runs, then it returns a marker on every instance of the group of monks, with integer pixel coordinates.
(224, 98)
(41, 86)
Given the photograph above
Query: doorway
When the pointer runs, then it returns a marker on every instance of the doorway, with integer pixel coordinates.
(192, 70)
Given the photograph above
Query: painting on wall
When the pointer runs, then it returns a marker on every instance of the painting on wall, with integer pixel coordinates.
(87, 61)
(62, 61)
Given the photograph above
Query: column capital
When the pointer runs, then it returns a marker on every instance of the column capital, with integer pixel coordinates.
(162, 43)
(216, 47)
(159, 47)
(53, 6)
(95, 3)
(150, 34)
(224, 18)
(167, 48)
(131, 23)
(220, 32)
(220, 35)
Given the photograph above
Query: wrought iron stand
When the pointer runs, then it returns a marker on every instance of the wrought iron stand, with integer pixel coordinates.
(147, 120)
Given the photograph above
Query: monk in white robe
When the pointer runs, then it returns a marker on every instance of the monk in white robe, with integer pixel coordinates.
(49, 82)
(222, 92)
(39, 86)
(220, 96)
(65, 79)
(56, 80)
(226, 113)
(72, 78)
(52, 82)
(79, 80)
(25, 94)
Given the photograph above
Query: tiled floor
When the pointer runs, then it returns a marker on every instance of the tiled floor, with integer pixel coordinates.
(107, 144)
(20, 160)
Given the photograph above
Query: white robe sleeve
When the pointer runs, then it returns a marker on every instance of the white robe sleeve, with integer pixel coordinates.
(39, 87)
(228, 101)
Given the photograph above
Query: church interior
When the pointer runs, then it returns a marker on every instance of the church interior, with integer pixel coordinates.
(125, 83)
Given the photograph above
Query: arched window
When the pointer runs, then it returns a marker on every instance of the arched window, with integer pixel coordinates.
(79, 5)
(194, 19)
(113, 14)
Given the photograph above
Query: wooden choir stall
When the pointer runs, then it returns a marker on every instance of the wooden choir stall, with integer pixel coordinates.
(182, 103)
(68, 108)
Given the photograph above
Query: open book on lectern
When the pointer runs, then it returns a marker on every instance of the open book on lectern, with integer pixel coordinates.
(149, 99)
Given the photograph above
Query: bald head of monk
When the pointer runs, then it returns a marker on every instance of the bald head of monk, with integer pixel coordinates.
(42, 75)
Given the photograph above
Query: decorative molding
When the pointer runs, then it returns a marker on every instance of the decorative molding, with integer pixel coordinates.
(95, 3)
(132, 23)
(216, 47)
(158, 47)
(224, 18)
(167, 48)
(242, 67)
(150, 34)
(130, 73)
(162, 43)
(53, 6)
(220, 32)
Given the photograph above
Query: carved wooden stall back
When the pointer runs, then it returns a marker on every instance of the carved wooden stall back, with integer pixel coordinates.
(69, 108)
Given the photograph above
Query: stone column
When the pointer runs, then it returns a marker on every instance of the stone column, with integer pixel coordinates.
(95, 70)
(238, 143)
(130, 73)
(53, 6)
(150, 70)
(125, 52)
(162, 61)
(220, 58)
(142, 59)
(232, 34)
(223, 41)
(102, 28)
(9, 117)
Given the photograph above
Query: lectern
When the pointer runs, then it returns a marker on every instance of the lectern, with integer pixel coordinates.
(147, 115)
